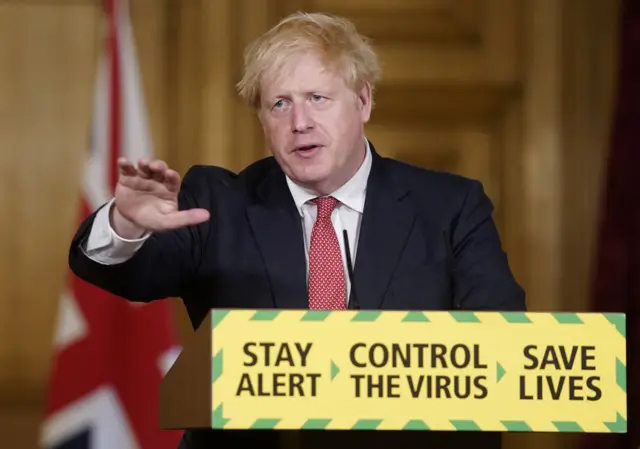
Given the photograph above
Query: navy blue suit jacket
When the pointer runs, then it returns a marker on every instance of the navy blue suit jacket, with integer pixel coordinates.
(427, 242)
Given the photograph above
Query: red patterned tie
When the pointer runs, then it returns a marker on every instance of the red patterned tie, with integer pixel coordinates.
(327, 290)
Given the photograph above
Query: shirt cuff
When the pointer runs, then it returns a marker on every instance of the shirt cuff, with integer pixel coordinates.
(105, 246)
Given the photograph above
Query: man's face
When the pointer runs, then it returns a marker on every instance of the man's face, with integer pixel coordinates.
(314, 124)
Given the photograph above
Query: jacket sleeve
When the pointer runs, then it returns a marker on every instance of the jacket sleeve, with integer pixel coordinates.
(482, 277)
(164, 265)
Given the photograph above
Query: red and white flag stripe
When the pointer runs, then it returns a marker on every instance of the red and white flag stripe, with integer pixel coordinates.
(110, 357)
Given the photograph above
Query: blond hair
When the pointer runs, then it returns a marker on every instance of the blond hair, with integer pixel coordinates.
(334, 38)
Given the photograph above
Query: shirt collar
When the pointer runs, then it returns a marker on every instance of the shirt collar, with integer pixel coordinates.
(351, 194)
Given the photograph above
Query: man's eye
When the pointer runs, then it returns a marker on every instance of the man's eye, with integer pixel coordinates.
(279, 104)
(317, 97)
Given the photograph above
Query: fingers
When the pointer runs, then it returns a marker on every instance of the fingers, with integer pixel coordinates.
(126, 168)
(139, 184)
(152, 169)
(172, 180)
(156, 170)
(184, 218)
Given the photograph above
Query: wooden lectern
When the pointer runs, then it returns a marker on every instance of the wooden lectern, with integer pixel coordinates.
(186, 390)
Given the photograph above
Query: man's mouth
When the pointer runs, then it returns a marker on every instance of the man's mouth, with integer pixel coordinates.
(307, 148)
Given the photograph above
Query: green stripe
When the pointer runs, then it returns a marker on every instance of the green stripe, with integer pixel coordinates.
(217, 315)
(621, 375)
(500, 372)
(516, 426)
(315, 315)
(216, 366)
(515, 317)
(415, 317)
(316, 424)
(217, 419)
(619, 426)
(416, 424)
(567, 318)
(265, 315)
(619, 321)
(366, 424)
(567, 426)
(367, 315)
(465, 317)
(461, 424)
(265, 423)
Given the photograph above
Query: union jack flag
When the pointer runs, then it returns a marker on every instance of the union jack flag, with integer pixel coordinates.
(109, 354)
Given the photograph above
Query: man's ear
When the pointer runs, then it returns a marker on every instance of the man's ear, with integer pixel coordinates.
(364, 101)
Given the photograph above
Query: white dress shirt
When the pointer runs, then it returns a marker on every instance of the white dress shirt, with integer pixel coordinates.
(346, 216)
(106, 247)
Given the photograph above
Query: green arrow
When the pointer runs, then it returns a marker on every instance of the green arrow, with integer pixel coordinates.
(334, 370)
(501, 371)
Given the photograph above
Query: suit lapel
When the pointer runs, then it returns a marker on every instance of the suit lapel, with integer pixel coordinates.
(386, 223)
(277, 229)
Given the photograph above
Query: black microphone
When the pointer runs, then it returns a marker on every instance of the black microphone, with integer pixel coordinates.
(353, 303)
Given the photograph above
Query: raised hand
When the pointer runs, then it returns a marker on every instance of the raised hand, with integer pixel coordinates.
(146, 200)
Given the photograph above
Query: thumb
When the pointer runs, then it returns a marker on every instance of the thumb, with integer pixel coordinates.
(180, 219)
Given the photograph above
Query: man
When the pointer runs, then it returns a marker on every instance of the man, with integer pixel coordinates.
(273, 236)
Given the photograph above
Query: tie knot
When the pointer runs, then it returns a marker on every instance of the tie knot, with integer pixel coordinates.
(325, 205)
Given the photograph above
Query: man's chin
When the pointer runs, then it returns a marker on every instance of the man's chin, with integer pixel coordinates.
(310, 180)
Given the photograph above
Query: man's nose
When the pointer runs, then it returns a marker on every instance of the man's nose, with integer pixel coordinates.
(301, 120)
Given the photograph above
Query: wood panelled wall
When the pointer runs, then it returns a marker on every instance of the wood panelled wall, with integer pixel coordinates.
(516, 93)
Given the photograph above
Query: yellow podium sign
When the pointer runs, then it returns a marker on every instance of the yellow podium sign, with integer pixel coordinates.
(392, 370)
